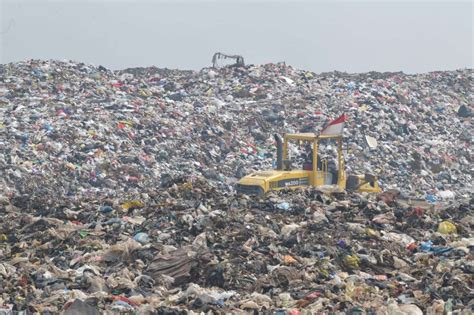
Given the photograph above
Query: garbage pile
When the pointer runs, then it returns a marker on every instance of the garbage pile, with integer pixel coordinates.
(117, 192)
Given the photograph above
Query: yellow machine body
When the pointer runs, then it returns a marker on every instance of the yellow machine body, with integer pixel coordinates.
(284, 177)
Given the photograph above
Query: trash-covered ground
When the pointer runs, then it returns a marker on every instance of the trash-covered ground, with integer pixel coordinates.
(117, 192)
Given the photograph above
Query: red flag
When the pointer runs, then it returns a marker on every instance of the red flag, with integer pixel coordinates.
(335, 127)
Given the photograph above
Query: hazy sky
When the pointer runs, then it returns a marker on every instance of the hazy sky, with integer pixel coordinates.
(353, 36)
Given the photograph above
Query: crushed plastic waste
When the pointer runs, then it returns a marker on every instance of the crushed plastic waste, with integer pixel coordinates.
(141, 238)
(446, 227)
(116, 192)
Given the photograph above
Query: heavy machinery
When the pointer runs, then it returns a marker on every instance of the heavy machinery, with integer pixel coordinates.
(239, 60)
(316, 173)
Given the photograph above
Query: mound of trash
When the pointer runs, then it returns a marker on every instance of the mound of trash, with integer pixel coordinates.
(117, 192)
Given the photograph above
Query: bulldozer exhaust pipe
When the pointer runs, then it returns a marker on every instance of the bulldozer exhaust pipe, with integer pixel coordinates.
(279, 152)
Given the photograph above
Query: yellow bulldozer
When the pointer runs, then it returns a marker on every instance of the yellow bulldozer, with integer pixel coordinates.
(311, 174)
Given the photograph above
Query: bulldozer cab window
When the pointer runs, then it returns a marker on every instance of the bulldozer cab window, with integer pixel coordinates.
(298, 157)
(300, 153)
(307, 157)
(329, 160)
(328, 151)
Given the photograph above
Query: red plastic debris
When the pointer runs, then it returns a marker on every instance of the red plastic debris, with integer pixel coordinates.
(412, 246)
(313, 295)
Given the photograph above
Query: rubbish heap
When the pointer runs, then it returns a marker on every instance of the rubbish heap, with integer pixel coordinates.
(116, 192)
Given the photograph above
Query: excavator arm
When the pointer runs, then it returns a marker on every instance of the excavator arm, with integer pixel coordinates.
(239, 60)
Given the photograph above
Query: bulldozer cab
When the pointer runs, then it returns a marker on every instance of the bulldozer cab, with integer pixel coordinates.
(323, 170)
(317, 169)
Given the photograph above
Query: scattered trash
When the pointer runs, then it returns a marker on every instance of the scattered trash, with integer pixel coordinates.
(283, 206)
(132, 204)
(288, 260)
(117, 192)
(464, 111)
(371, 142)
(79, 307)
(446, 227)
(141, 238)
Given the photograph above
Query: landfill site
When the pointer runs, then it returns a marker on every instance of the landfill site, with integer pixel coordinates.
(158, 191)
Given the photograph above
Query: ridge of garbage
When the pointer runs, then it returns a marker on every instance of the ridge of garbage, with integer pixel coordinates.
(116, 191)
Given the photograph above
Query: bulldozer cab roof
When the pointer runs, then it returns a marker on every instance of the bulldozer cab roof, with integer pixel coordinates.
(309, 136)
